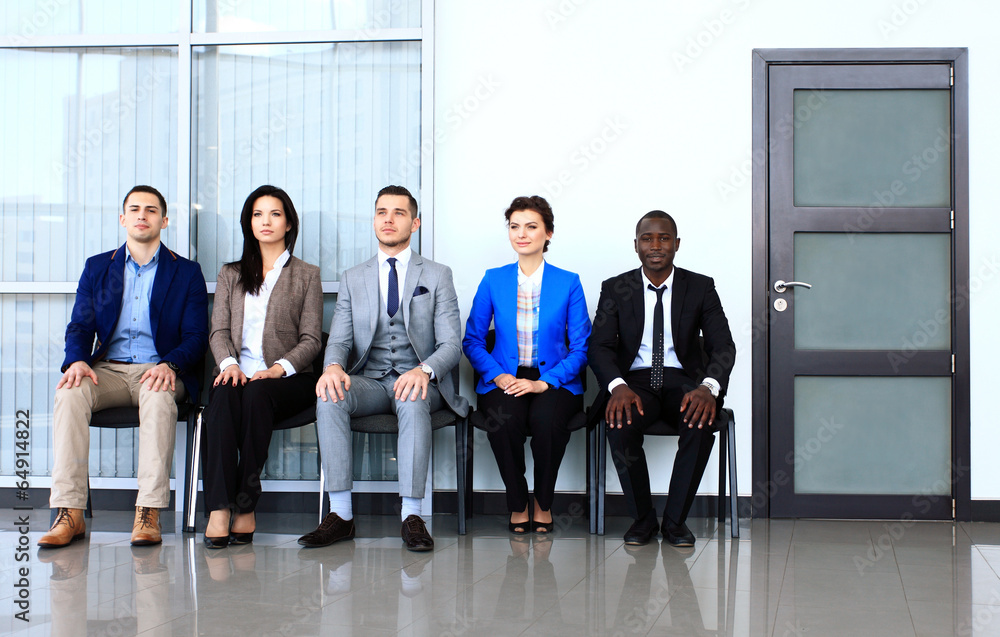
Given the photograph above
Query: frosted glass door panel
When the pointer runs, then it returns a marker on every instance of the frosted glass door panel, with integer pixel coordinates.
(870, 435)
(873, 291)
(872, 148)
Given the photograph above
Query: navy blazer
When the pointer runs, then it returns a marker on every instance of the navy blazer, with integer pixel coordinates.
(562, 314)
(178, 312)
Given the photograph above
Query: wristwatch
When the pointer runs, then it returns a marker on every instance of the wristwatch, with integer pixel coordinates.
(173, 367)
(425, 368)
(711, 386)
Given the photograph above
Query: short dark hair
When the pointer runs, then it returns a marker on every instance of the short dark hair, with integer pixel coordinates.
(656, 214)
(150, 190)
(399, 190)
(251, 263)
(536, 204)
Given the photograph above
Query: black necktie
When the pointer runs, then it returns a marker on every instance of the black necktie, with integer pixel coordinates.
(392, 300)
(656, 369)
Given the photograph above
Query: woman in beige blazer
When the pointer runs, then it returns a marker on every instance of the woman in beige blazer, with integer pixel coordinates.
(266, 331)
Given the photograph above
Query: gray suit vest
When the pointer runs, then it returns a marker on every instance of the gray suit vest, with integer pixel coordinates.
(391, 349)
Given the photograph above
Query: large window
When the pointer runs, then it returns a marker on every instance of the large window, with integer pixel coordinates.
(205, 100)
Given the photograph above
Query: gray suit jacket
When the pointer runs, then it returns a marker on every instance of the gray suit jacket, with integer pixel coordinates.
(293, 325)
(430, 311)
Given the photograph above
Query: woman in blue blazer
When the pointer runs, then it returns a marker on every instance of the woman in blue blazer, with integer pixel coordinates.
(532, 374)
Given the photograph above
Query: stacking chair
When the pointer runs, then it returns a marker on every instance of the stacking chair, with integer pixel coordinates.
(196, 438)
(480, 420)
(128, 418)
(725, 424)
(387, 424)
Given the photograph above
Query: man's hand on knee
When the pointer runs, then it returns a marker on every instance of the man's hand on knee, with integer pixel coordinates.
(698, 407)
(334, 382)
(159, 377)
(76, 373)
(619, 409)
(412, 384)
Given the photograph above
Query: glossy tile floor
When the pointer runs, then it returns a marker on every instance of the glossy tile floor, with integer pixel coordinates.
(781, 578)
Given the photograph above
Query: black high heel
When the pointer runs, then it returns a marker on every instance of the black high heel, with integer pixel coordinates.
(544, 528)
(238, 539)
(525, 527)
(220, 542)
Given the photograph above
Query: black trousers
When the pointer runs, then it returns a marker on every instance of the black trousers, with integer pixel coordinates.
(238, 423)
(510, 420)
(693, 448)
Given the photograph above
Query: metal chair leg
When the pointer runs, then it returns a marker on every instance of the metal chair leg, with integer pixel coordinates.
(602, 466)
(461, 450)
(191, 470)
(733, 492)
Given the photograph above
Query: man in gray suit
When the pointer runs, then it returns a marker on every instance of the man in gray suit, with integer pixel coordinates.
(394, 344)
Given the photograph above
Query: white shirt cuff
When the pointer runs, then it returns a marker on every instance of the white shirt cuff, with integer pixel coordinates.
(713, 385)
(289, 370)
(616, 382)
(227, 361)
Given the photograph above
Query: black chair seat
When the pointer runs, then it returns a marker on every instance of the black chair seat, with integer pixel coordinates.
(725, 425)
(128, 417)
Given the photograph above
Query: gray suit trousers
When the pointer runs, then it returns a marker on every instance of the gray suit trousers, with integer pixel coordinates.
(366, 397)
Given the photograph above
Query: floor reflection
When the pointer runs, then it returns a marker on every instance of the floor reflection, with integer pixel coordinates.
(780, 578)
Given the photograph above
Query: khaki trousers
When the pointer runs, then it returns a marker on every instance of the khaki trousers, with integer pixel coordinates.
(118, 386)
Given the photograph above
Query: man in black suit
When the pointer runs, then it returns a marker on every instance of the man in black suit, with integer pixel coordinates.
(650, 363)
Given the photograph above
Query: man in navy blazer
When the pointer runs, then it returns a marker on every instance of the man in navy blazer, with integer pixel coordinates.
(677, 380)
(138, 331)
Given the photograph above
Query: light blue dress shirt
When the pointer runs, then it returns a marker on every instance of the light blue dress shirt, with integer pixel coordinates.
(132, 339)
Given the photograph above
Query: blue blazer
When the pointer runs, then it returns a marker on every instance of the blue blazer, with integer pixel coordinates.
(562, 313)
(178, 312)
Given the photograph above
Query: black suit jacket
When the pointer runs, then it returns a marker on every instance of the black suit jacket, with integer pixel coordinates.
(696, 319)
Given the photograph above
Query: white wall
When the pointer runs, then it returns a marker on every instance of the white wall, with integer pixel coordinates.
(660, 93)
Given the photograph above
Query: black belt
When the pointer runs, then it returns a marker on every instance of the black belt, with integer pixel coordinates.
(108, 360)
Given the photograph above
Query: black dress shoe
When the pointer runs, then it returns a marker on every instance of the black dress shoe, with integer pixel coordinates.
(331, 529)
(241, 538)
(415, 535)
(642, 530)
(216, 542)
(678, 535)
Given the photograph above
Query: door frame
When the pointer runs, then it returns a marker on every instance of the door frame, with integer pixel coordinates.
(763, 485)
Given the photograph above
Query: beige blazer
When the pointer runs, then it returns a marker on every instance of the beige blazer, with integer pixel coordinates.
(293, 325)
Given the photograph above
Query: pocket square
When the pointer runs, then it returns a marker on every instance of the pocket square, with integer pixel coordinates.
(420, 290)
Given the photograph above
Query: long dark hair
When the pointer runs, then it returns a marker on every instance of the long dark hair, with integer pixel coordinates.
(251, 264)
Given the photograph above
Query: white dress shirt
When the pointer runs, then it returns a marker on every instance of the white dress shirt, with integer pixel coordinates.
(402, 262)
(254, 312)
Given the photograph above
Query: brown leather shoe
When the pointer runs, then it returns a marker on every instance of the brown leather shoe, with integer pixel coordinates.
(332, 529)
(415, 535)
(69, 526)
(146, 528)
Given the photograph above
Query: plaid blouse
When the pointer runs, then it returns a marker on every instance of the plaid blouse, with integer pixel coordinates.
(529, 292)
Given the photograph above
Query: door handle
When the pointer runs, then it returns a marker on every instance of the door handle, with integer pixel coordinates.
(780, 286)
